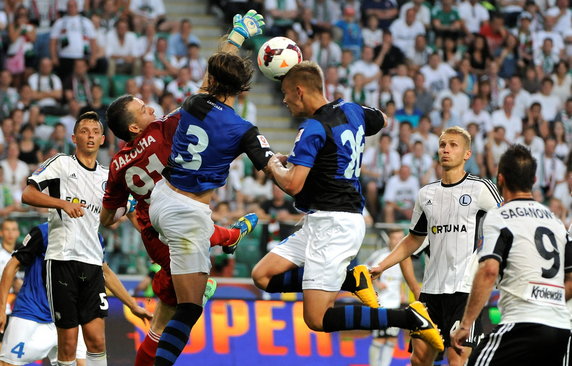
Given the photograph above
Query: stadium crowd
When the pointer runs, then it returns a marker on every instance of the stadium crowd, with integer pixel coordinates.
(499, 69)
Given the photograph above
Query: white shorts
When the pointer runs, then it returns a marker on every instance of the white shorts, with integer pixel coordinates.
(26, 341)
(185, 225)
(324, 246)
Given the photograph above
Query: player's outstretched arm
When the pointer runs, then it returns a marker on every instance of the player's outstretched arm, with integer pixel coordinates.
(243, 28)
(406, 266)
(404, 249)
(289, 177)
(483, 284)
(5, 283)
(114, 285)
(108, 217)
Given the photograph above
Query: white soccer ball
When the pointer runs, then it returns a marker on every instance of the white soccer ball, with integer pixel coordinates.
(277, 56)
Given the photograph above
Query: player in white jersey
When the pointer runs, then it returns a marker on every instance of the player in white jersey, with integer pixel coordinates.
(74, 188)
(447, 212)
(526, 247)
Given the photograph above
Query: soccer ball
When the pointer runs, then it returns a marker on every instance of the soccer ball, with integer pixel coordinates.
(277, 56)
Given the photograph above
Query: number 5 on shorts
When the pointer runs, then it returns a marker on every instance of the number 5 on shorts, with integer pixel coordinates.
(104, 304)
(18, 349)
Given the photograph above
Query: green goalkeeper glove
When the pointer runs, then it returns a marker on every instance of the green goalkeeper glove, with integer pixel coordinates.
(245, 27)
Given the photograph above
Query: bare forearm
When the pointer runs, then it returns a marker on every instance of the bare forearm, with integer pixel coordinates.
(403, 250)
(7, 279)
(114, 285)
(406, 266)
(481, 291)
(33, 197)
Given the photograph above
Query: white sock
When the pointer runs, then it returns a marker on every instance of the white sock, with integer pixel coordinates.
(66, 363)
(386, 354)
(374, 351)
(96, 359)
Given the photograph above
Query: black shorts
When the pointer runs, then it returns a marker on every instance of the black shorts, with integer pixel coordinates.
(522, 344)
(76, 292)
(446, 310)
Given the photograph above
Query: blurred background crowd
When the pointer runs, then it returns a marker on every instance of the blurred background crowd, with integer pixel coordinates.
(500, 69)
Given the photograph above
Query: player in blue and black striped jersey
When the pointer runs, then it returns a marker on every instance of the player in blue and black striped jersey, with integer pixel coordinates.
(322, 173)
(31, 334)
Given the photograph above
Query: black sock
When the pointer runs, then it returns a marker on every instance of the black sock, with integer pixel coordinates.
(350, 282)
(290, 281)
(401, 319)
(354, 317)
(176, 333)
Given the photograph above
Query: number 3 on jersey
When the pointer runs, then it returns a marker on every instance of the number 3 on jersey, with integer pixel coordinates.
(194, 148)
(357, 147)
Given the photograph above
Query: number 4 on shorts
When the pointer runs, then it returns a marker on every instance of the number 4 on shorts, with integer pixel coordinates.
(18, 349)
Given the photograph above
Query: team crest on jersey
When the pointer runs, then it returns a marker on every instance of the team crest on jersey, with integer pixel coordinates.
(40, 169)
(263, 142)
(465, 200)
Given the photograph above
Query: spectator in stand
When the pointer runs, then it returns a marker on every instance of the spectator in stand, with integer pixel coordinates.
(522, 97)
(532, 141)
(148, 97)
(331, 83)
(182, 86)
(450, 53)
(146, 41)
(151, 10)
(461, 101)
(279, 15)
(478, 115)
(195, 62)
(386, 93)
(423, 98)
(550, 170)
(351, 37)
(326, 12)
(494, 32)
(418, 56)
(409, 112)
(562, 81)
(562, 16)
(245, 108)
(510, 10)
(26, 104)
(109, 15)
(168, 102)
(507, 57)
(47, 88)
(422, 12)
(344, 68)
(59, 142)
(389, 55)
(326, 52)
(479, 54)
(559, 133)
(78, 84)
(495, 146)
(306, 26)
(161, 60)
(545, 60)
(16, 171)
(565, 116)
(534, 118)
(385, 11)
(469, 79)
(485, 93)
(149, 77)
(549, 102)
(473, 15)
(120, 50)
(358, 93)
(429, 139)
(531, 82)
(8, 135)
(30, 151)
(421, 164)
(497, 83)
(257, 187)
(399, 196)
(405, 30)
(107, 149)
(476, 164)
(72, 38)
(504, 117)
(371, 33)
(368, 68)
(403, 144)
(100, 45)
(179, 41)
(7, 202)
(548, 32)
(437, 74)
(21, 36)
(446, 22)
(379, 163)
(400, 82)
(8, 94)
(524, 36)
(445, 117)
